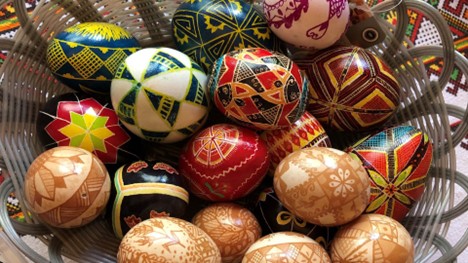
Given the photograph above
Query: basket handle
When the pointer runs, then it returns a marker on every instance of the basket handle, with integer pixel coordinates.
(5, 189)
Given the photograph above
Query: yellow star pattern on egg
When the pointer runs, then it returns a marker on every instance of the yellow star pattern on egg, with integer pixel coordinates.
(87, 131)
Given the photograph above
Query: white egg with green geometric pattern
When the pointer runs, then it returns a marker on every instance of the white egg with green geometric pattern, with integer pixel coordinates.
(159, 94)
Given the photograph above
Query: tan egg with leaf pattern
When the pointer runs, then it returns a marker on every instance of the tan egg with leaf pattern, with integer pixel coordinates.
(168, 240)
(323, 186)
(232, 227)
(286, 247)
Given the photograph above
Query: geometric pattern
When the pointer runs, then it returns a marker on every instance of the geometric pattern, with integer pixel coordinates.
(305, 132)
(372, 238)
(67, 187)
(159, 95)
(351, 89)
(80, 121)
(287, 247)
(86, 56)
(207, 29)
(259, 88)
(397, 161)
(166, 240)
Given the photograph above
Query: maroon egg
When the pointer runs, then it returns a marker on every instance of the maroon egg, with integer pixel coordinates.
(351, 88)
(224, 162)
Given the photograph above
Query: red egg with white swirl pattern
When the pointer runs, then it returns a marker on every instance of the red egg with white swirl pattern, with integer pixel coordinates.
(224, 162)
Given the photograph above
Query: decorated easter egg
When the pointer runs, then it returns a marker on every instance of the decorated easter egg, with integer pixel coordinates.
(259, 88)
(232, 227)
(286, 247)
(305, 132)
(76, 119)
(351, 89)
(274, 217)
(224, 162)
(207, 29)
(144, 190)
(86, 56)
(159, 95)
(67, 187)
(323, 186)
(169, 240)
(372, 238)
(307, 23)
(397, 161)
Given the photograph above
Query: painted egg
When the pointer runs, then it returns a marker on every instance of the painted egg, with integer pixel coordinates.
(372, 238)
(169, 240)
(86, 56)
(159, 95)
(397, 161)
(323, 186)
(232, 227)
(67, 187)
(274, 217)
(286, 247)
(313, 24)
(78, 120)
(224, 162)
(259, 88)
(144, 190)
(305, 132)
(351, 89)
(207, 29)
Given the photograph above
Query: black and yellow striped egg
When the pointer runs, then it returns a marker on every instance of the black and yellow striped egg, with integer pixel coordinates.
(144, 190)
(86, 56)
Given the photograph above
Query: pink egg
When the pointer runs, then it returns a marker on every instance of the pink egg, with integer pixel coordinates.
(309, 24)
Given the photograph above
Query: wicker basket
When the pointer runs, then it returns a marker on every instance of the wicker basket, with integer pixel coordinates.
(27, 83)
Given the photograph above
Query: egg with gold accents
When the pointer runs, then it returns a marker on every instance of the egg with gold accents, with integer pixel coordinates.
(144, 190)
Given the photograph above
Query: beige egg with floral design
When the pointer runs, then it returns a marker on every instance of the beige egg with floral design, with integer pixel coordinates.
(373, 238)
(323, 186)
(286, 247)
(168, 240)
(67, 187)
(232, 227)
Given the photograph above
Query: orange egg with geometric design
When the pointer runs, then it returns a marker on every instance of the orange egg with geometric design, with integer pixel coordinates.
(67, 187)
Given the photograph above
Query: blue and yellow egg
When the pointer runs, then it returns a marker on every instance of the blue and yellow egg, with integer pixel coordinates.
(86, 56)
(207, 29)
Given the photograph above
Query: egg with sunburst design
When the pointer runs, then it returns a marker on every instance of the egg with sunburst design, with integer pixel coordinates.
(160, 95)
(85, 56)
(397, 161)
(224, 162)
(77, 119)
(207, 29)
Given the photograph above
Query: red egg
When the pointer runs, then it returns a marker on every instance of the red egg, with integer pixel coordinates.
(305, 132)
(224, 162)
(351, 89)
(232, 227)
